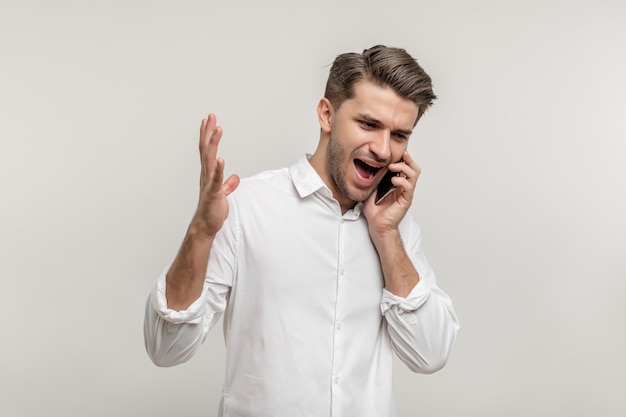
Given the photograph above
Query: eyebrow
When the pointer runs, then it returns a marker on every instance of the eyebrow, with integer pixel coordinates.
(377, 122)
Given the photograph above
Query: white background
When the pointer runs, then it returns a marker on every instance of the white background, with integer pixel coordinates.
(522, 198)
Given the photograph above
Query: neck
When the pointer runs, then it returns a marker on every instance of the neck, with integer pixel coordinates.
(318, 162)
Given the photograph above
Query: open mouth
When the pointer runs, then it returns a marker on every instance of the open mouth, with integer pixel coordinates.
(366, 170)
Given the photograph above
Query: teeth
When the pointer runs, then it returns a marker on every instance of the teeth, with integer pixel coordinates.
(371, 170)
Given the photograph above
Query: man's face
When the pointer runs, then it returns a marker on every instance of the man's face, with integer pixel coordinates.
(368, 132)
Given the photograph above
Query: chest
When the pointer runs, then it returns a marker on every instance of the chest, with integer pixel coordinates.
(303, 254)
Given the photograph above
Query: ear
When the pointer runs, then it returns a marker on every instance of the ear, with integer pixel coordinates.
(325, 114)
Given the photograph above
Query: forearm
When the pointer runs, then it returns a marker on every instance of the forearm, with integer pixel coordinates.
(398, 271)
(185, 278)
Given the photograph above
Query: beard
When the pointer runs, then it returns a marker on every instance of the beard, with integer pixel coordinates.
(335, 157)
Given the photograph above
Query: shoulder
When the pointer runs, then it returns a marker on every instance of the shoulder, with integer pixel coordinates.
(264, 187)
(271, 177)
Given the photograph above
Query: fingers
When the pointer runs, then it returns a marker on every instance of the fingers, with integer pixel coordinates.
(210, 135)
(212, 166)
(410, 167)
(218, 175)
(409, 171)
(231, 184)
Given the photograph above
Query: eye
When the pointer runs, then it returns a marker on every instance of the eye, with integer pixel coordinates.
(400, 136)
(368, 125)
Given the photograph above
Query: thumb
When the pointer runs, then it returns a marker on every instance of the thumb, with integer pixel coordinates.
(231, 184)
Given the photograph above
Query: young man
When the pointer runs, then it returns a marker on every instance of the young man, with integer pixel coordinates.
(318, 283)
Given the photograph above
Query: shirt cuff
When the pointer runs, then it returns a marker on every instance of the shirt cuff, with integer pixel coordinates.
(418, 296)
(193, 314)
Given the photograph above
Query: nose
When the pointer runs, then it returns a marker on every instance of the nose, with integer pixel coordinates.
(380, 145)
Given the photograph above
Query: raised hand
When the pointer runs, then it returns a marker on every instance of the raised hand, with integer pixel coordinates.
(212, 203)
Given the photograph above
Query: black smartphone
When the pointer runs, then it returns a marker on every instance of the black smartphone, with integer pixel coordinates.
(385, 187)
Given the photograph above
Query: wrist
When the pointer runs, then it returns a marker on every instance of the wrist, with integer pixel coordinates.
(385, 238)
(197, 231)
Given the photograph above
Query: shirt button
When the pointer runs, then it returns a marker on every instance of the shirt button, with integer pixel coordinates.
(336, 380)
(338, 326)
(341, 271)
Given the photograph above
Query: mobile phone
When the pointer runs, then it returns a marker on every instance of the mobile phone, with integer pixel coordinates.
(385, 187)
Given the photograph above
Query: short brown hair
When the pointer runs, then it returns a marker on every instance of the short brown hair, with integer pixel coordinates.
(386, 66)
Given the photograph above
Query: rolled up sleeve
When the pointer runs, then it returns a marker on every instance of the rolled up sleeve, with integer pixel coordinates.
(172, 337)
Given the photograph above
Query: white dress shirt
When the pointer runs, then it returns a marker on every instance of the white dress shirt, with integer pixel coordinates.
(308, 326)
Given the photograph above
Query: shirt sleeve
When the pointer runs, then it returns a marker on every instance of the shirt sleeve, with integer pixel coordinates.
(172, 337)
(423, 326)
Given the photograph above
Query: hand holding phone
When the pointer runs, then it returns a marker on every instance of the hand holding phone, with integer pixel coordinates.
(385, 213)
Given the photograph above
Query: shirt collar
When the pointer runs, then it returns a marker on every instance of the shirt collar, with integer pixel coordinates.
(307, 181)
